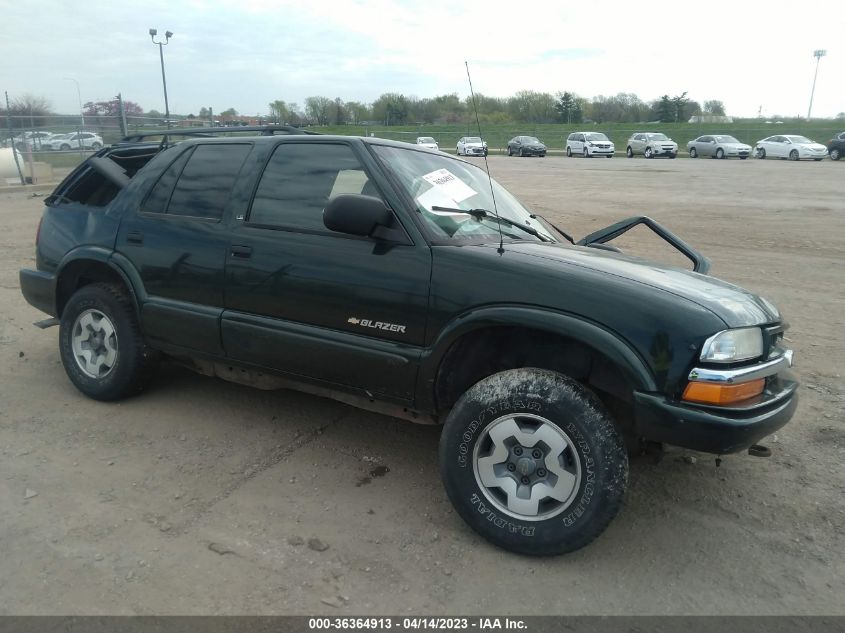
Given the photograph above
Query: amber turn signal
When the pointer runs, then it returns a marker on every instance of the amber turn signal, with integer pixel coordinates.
(723, 394)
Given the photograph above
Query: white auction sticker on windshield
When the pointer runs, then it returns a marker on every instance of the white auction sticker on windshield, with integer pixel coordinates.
(450, 184)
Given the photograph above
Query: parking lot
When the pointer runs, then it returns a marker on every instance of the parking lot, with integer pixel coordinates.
(206, 497)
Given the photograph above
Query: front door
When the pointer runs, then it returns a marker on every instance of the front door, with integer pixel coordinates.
(317, 304)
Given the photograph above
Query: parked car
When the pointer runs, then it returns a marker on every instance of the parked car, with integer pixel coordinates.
(538, 354)
(75, 140)
(836, 146)
(427, 141)
(36, 139)
(790, 146)
(471, 146)
(651, 144)
(589, 144)
(718, 146)
(526, 146)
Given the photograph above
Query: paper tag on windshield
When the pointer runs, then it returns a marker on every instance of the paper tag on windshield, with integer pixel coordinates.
(450, 184)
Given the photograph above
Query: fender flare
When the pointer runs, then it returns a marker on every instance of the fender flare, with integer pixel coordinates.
(116, 262)
(614, 347)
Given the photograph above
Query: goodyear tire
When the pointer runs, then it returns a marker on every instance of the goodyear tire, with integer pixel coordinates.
(532, 461)
(100, 343)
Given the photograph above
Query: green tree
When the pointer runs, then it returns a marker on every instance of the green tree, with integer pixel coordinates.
(666, 110)
(565, 105)
(714, 107)
(318, 109)
(680, 103)
(229, 112)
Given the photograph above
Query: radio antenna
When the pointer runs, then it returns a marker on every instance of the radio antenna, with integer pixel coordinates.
(501, 248)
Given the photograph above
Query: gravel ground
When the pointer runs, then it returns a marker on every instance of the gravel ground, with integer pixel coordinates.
(204, 497)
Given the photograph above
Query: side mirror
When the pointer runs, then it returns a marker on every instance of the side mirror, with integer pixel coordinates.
(356, 214)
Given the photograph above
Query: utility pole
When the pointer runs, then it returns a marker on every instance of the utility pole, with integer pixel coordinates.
(12, 138)
(122, 114)
(818, 54)
(167, 36)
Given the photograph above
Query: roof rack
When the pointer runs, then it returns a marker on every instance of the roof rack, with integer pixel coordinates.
(263, 130)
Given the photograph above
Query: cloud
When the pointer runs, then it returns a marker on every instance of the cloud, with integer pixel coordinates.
(249, 53)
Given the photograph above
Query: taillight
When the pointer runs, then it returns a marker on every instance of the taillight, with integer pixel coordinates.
(38, 231)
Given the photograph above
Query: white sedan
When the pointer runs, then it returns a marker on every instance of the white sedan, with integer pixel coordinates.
(427, 141)
(75, 140)
(471, 146)
(791, 147)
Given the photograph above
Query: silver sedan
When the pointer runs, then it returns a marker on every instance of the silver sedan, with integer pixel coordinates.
(718, 146)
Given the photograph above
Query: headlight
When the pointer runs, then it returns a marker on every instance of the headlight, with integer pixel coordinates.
(732, 346)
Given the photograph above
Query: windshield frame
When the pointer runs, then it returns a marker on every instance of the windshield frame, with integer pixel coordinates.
(411, 207)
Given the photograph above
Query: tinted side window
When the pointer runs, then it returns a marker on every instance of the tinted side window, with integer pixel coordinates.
(207, 180)
(299, 181)
(159, 197)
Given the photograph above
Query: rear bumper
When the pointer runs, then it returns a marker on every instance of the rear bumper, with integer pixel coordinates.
(39, 289)
(713, 429)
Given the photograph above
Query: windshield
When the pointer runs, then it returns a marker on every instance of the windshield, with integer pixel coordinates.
(799, 139)
(658, 137)
(425, 139)
(530, 139)
(440, 181)
(596, 136)
(726, 139)
(472, 139)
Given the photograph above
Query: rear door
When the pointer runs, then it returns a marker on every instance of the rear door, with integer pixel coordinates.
(320, 305)
(177, 242)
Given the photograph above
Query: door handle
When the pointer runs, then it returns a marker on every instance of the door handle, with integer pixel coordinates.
(241, 251)
(135, 237)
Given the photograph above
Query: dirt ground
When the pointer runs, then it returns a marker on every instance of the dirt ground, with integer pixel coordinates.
(205, 497)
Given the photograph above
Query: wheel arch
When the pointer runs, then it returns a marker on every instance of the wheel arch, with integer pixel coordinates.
(507, 337)
(87, 265)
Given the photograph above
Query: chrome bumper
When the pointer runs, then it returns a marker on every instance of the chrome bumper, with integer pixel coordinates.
(780, 359)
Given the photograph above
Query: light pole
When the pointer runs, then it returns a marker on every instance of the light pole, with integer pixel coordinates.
(167, 36)
(818, 54)
(78, 96)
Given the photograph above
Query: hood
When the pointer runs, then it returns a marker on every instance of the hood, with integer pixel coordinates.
(736, 306)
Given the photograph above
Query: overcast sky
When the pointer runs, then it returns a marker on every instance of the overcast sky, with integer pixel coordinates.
(246, 53)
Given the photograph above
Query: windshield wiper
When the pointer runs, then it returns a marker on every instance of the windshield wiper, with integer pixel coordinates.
(483, 213)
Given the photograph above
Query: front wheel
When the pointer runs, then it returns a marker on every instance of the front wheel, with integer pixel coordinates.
(693, 153)
(96, 145)
(65, 147)
(532, 461)
(569, 151)
(586, 153)
(629, 153)
(100, 343)
(674, 155)
(720, 153)
(793, 155)
(649, 153)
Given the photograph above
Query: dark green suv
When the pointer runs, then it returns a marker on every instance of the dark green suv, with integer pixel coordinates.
(405, 281)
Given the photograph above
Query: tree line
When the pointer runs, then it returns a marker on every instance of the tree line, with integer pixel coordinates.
(526, 106)
(393, 108)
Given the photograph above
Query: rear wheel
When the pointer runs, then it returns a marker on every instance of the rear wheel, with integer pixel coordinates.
(532, 461)
(693, 153)
(521, 153)
(629, 152)
(720, 153)
(793, 155)
(761, 153)
(834, 154)
(673, 155)
(100, 343)
(96, 145)
(65, 147)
